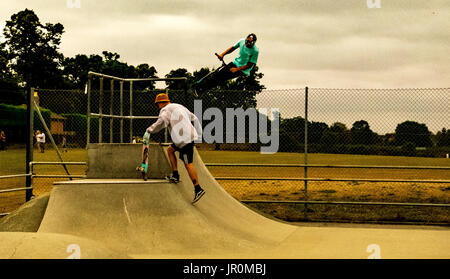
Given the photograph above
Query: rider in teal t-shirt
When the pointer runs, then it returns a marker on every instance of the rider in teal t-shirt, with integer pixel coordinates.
(241, 66)
(247, 55)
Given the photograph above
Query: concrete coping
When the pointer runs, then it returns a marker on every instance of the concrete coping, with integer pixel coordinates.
(110, 181)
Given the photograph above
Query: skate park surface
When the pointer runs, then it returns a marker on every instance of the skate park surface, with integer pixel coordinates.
(126, 217)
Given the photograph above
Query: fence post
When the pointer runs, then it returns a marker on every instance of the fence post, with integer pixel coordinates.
(100, 112)
(111, 120)
(306, 149)
(131, 111)
(29, 142)
(121, 111)
(88, 124)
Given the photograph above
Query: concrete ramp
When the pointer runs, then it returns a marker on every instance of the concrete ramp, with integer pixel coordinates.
(155, 219)
(119, 160)
(26, 245)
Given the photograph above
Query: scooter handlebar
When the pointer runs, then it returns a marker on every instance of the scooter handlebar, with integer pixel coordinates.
(220, 58)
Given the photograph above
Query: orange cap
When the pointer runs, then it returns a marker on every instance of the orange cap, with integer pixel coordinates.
(163, 97)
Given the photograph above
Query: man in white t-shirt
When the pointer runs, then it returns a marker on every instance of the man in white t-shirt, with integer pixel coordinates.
(40, 138)
(183, 133)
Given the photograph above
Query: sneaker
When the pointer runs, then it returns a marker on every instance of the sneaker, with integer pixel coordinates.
(172, 179)
(198, 195)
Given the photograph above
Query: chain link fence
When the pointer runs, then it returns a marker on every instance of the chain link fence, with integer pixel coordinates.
(12, 149)
(372, 148)
(368, 154)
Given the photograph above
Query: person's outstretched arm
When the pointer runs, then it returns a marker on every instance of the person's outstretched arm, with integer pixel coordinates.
(228, 51)
(161, 123)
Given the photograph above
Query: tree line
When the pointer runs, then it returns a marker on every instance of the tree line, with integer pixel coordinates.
(30, 57)
(409, 138)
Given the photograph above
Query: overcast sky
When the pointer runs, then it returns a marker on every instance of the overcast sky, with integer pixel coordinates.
(316, 43)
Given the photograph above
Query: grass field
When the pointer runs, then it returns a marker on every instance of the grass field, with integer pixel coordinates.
(343, 191)
(12, 162)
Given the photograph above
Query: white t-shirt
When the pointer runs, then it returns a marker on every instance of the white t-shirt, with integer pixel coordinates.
(179, 120)
(40, 138)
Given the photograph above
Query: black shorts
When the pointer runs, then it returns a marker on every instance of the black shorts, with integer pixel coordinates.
(226, 74)
(186, 152)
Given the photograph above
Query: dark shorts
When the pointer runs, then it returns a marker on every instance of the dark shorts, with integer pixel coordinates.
(227, 74)
(186, 152)
(218, 78)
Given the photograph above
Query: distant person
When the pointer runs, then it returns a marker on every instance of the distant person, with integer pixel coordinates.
(241, 66)
(64, 143)
(183, 133)
(40, 138)
(2, 140)
(35, 143)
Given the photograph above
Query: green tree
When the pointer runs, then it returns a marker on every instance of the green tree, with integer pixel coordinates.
(146, 71)
(33, 49)
(443, 138)
(292, 134)
(112, 66)
(316, 131)
(411, 131)
(10, 92)
(338, 133)
(179, 85)
(361, 133)
(75, 69)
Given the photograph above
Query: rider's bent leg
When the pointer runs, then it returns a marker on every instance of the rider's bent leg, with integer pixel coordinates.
(217, 78)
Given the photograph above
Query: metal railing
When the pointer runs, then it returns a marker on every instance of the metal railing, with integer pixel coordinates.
(298, 135)
(329, 166)
(2, 214)
(32, 176)
(15, 176)
(32, 164)
(100, 115)
(351, 203)
(306, 179)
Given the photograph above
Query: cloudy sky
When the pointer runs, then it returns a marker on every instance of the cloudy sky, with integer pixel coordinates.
(316, 43)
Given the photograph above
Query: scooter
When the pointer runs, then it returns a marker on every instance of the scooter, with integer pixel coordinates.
(198, 84)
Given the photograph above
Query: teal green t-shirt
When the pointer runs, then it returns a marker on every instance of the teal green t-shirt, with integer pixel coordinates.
(246, 55)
